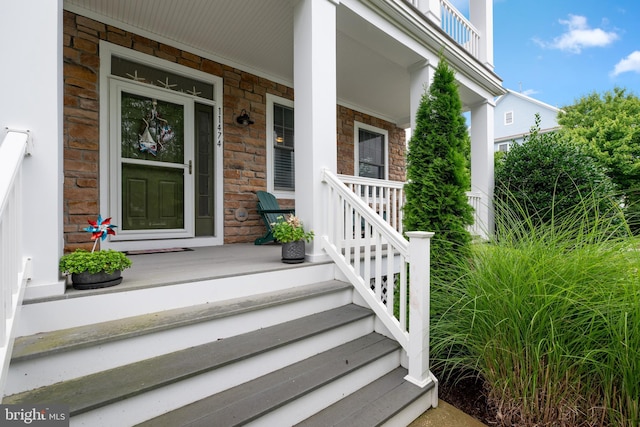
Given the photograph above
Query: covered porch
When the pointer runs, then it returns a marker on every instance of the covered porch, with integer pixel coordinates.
(351, 64)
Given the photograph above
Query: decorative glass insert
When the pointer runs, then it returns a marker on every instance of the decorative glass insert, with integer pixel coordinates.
(157, 77)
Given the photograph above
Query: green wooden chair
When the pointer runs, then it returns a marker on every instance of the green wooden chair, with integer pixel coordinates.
(269, 209)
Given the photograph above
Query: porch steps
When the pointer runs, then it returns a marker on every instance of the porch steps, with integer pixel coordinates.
(287, 394)
(374, 404)
(272, 359)
(50, 357)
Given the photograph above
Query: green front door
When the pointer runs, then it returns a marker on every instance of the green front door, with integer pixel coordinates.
(156, 166)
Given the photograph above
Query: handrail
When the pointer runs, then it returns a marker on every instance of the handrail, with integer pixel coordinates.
(14, 267)
(376, 259)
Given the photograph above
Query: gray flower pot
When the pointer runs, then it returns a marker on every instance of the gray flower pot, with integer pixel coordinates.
(293, 252)
(86, 280)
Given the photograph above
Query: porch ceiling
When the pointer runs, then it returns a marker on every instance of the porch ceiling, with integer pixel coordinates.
(257, 36)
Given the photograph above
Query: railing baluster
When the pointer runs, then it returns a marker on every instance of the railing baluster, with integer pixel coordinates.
(403, 294)
(390, 270)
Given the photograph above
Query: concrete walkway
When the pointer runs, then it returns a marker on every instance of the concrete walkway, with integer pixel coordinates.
(446, 415)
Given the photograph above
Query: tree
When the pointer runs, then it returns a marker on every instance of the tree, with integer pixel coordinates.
(438, 169)
(607, 125)
(546, 177)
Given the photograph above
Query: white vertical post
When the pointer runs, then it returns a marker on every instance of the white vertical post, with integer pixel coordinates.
(481, 16)
(431, 9)
(482, 179)
(314, 72)
(32, 98)
(419, 293)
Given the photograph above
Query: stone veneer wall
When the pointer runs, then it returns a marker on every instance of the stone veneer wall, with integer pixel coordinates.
(244, 147)
(346, 150)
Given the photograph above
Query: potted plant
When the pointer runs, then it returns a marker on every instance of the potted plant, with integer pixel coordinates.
(95, 269)
(291, 234)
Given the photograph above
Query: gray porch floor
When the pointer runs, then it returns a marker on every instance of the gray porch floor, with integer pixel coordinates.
(170, 268)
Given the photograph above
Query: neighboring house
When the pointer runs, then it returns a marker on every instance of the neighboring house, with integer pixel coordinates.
(515, 115)
(168, 116)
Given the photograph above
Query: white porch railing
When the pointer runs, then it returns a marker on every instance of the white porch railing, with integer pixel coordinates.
(459, 28)
(475, 199)
(386, 198)
(378, 261)
(14, 267)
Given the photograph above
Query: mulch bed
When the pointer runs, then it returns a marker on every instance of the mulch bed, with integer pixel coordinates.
(467, 395)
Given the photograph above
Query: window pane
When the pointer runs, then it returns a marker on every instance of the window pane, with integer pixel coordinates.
(284, 169)
(371, 155)
(283, 142)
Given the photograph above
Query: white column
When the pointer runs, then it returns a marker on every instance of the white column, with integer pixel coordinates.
(31, 72)
(482, 179)
(421, 76)
(314, 70)
(481, 16)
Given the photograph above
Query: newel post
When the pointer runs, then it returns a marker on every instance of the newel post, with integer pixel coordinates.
(419, 276)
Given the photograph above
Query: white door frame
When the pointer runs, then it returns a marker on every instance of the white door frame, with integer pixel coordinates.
(110, 180)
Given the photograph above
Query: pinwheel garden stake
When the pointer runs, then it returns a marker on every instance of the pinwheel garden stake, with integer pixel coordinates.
(100, 229)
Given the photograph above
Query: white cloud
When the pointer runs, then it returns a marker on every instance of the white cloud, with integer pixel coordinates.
(579, 36)
(630, 63)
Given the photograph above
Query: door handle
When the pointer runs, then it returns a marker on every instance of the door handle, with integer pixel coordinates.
(190, 166)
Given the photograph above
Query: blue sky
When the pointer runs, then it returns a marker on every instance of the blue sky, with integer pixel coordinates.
(558, 51)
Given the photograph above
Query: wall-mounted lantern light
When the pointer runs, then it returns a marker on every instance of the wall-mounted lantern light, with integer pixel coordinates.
(244, 118)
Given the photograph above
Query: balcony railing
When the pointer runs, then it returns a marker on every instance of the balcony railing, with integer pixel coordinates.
(459, 28)
(14, 267)
(453, 23)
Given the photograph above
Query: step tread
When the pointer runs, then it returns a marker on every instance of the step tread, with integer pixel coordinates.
(47, 343)
(372, 405)
(249, 401)
(102, 388)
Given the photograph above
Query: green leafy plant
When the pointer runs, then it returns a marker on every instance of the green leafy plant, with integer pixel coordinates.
(547, 176)
(548, 316)
(93, 262)
(290, 230)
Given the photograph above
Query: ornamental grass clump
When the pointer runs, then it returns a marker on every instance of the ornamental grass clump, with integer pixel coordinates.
(549, 317)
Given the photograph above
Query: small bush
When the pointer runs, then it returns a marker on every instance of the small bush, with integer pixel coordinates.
(546, 177)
